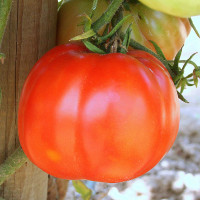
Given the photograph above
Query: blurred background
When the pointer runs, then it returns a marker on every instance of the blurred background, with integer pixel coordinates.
(177, 176)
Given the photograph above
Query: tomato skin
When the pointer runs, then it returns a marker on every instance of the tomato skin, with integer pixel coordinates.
(107, 118)
(167, 31)
(179, 8)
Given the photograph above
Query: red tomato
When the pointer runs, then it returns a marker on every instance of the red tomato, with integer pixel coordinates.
(107, 118)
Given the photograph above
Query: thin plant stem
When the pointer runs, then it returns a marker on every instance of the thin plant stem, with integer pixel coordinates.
(12, 164)
(5, 7)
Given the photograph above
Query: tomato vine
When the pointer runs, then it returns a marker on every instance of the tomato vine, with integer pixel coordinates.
(5, 7)
(99, 44)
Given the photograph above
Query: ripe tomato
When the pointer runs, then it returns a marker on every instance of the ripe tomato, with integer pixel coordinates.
(179, 8)
(69, 19)
(167, 31)
(106, 118)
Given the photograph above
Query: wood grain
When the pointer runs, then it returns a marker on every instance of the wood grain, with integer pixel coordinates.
(30, 32)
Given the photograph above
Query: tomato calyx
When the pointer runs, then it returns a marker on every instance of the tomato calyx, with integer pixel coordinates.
(112, 40)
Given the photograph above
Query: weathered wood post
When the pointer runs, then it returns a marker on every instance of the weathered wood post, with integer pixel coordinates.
(30, 32)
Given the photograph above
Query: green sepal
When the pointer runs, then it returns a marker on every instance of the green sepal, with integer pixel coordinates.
(106, 31)
(92, 47)
(158, 50)
(94, 7)
(136, 45)
(83, 36)
(126, 6)
(183, 85)
(126, 41)
(176, 61)
(197, 72)
(195, 77)
(180, 96)
(113, 31)
(187, 61)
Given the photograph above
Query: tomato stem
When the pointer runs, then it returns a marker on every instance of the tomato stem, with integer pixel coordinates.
(5, 7)
(12, 164)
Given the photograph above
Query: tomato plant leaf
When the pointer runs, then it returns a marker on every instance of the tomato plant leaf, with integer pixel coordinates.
(83, 36)
(82, 189)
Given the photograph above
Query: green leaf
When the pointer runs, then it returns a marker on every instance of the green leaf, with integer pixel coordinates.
(82, 189)
(158, 50)
(193, 27)
(92, 47)
(180, 96)
(83, 36)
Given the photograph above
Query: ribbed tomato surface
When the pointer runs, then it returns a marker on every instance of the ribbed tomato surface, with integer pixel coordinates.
(107, 118)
